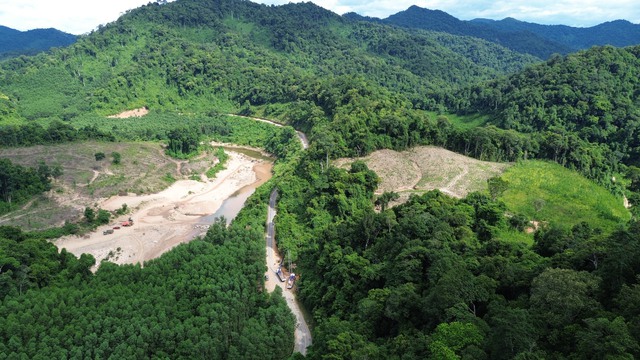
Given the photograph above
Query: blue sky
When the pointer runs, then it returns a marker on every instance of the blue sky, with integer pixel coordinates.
(82, 16)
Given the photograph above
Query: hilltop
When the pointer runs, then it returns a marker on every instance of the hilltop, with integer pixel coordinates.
(524, 37)
(194, 55)
(14, 42)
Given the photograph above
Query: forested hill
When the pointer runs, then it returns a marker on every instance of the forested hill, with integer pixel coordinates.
(14, 42)
(593, 95)
(195, 55)
(539, 40)
(583, 109)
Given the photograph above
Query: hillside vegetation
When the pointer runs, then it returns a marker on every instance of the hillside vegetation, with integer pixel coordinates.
(528, 38)
(199, 300)
(197, 56)
(581, 111)
(435, 277)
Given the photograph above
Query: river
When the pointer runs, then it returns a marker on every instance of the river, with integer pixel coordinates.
(233, 204)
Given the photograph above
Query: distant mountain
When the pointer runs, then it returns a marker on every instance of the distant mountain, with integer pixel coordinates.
(14, 42)
(518, 40)
(618, 33)
(535, 39)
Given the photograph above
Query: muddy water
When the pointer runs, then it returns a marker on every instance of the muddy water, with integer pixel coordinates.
(233, 204)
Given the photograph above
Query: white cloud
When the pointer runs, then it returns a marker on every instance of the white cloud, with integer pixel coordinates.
(73, 16)
(81, 16)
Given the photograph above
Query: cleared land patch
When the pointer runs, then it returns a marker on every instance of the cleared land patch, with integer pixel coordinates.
(143, 169)
(427, 168)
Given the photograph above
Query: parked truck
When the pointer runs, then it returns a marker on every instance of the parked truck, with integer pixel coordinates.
(291, 281)
(107, 232)
(281, 274)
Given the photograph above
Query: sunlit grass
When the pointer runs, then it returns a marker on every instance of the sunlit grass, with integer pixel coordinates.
(550, 193)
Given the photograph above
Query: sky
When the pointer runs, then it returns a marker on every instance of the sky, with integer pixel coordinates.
(82, 16)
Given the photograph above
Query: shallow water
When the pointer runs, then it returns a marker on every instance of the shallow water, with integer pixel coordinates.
(233, 204)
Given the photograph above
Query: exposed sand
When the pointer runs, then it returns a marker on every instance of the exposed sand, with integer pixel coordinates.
(168, 218)
(131, 113)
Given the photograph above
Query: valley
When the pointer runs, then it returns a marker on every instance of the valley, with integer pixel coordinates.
(439, 191)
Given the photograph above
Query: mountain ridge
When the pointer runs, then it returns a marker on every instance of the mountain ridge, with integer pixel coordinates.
(15, 42)
(531, 38)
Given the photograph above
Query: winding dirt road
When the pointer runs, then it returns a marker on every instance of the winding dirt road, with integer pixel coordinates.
(302, 333)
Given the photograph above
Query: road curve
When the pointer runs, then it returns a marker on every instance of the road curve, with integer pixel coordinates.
(302, 136)
(302, 333)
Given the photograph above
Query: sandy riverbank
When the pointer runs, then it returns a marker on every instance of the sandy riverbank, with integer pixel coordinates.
(168, 218)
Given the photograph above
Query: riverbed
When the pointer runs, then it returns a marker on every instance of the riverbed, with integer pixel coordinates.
(174, 216)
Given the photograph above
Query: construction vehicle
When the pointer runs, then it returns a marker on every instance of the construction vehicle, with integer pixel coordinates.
(128, 222)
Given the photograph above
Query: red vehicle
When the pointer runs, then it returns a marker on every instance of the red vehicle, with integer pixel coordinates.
(116, 227)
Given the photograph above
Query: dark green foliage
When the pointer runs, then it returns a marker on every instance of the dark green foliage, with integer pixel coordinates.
(28, 262)
(386, 197)
(202, 299)
(618, 33)
(580, 110)
(103, 217)
(183, 143)
(99, 156)
(57, 132)
(18, 184)
(89, 215)
(116, 158)
(517, 40)
(430, 278)
(192, 56)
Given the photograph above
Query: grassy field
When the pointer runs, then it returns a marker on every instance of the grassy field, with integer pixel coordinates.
(144, 168)
(548, 192)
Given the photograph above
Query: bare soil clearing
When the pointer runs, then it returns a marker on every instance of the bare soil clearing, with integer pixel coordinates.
(168, 218)
(164, 214)
(131, 113)
(426, 168)
(144, 169)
